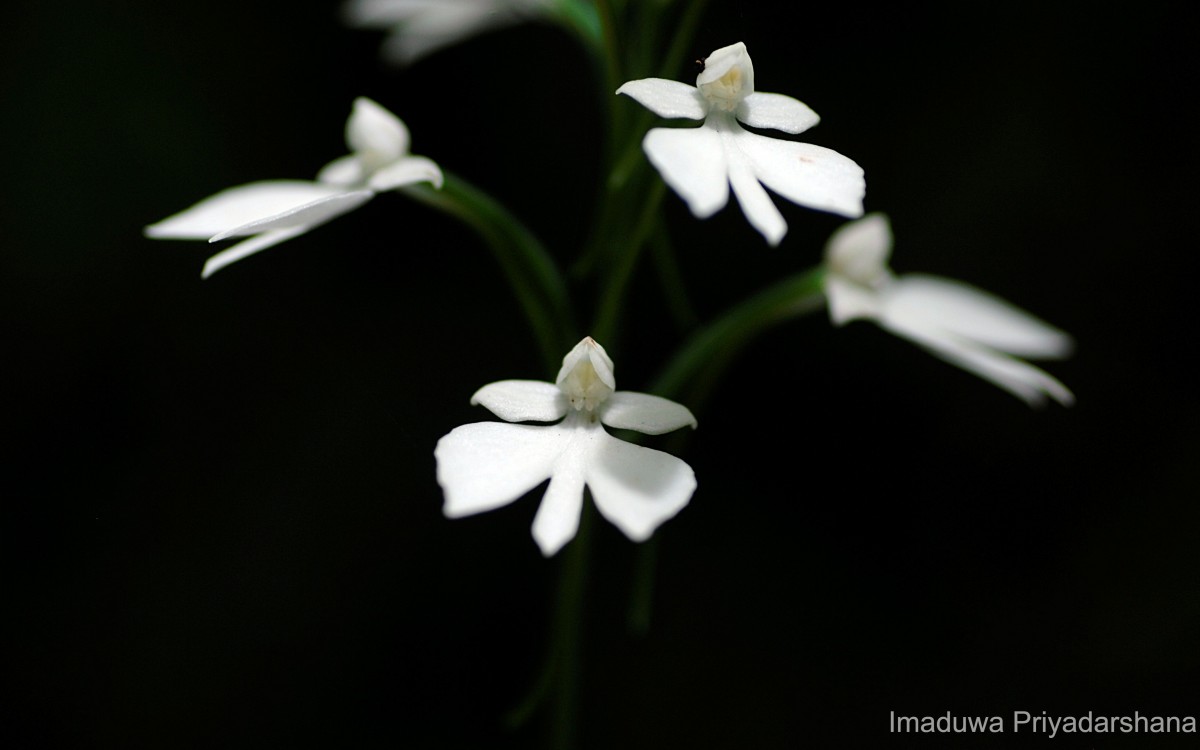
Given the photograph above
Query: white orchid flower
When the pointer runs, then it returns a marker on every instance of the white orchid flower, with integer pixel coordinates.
(486, 465)
(272, 211)
(963, 325)
(421, 27)
(700, 164)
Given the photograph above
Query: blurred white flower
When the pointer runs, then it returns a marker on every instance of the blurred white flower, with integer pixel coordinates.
(421, 27)
(486, 465)
(272, 211)
(957, 322)
(701, 163)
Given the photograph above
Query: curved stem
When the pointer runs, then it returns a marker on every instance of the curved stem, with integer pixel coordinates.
(604, 327)
(581, 18)
(608, 32)
(565, 650)
(700, 363)
(702, 359)
(529, 268)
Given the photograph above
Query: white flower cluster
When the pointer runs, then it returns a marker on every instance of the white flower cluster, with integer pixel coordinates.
(486, 465)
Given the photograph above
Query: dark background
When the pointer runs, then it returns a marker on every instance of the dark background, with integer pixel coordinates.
(221, 524)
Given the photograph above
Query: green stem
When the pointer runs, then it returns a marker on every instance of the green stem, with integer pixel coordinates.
(669, 275)
(703, 358)
(565, 652)
(581, 18)
(683, 37)
(700, 363)
(608, 32)
(529, 268)
(641, 598)
(613, 296)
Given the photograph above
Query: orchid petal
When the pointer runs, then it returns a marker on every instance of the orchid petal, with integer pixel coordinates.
(849, 300)
(665, 98)
(653, 415)
(386, 12)
(932, 302)
(371, 129)
(637, 488)
(859, 250)
(522, 400)
(425, 33)
(693, 163)
(557, 517)
(1029, 383)
(776, 111)
(307, 215)
(343, 171)
(406, 171)
(486, 465)
(809, 175)
(758, 207)
(249, 247)
(237, 206)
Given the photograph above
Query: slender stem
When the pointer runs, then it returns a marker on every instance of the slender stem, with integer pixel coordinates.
(700, 362)
(669, 275)
(565, 653)
(581, 18)
(683, 37)
(529, 268)
(604, 328)
(608, 32)
(641, 597)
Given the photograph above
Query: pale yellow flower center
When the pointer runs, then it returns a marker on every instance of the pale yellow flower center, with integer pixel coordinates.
(583, 386)
(726, 92)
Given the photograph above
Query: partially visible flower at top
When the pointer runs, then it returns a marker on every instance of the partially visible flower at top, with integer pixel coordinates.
(957, 322)
(421, 27)
(486, 465)
(701, 163)
(272, 211)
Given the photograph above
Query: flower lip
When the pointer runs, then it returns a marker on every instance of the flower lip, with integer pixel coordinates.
(727, 78)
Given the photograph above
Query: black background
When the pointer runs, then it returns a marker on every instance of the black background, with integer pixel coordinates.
(221, 524)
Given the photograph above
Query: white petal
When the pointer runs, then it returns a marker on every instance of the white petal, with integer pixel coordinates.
(249, 247)
(761, 212)
(557, 517)
(637, 488)
(692, 161)
(932, 302)
(406, 171)
(761, 110)
(653, 415)
(343, 171)
(373, 129)
(522, 400)
(308, 215)
(849, 300)
(380, 13)
(486, 465)
(666, 98)
(237, 206)
(449, 24)
(1027, 382)
(809, 175)
(859, 250)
